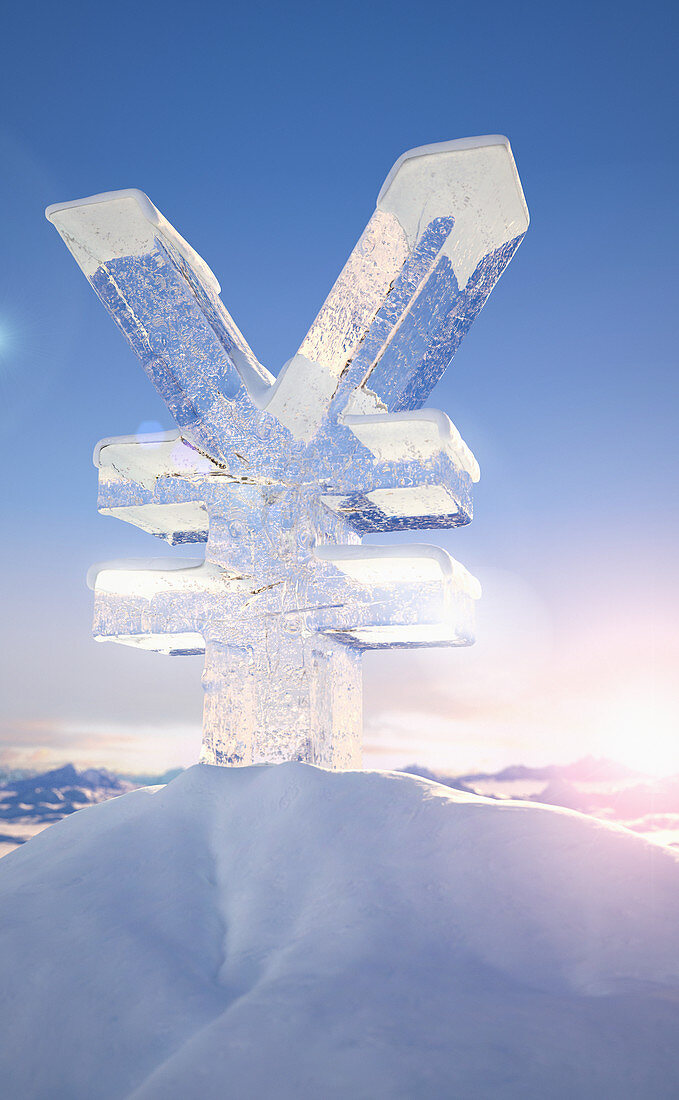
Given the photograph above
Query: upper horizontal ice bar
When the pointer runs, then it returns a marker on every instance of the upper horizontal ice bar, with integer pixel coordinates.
(144, 458)
(149, 438)
(411, 470)
(417, 434)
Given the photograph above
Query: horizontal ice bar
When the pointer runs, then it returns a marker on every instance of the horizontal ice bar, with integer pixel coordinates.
(412, 596)
(417, 473)
(366, 597)
(419, 436)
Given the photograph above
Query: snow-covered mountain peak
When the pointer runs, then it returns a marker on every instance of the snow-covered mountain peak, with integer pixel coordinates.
(284, 931)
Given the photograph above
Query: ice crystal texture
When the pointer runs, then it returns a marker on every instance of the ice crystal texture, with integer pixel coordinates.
(280, 477)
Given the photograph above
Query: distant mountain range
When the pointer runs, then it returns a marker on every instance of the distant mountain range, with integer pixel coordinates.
(589, 769)
(600, 787)
(54, 794)
(89, 778)
(29, 802)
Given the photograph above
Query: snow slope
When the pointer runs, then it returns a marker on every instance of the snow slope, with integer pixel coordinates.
(282, 931)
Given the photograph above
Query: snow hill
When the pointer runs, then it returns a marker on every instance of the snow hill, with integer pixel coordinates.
(286, 932)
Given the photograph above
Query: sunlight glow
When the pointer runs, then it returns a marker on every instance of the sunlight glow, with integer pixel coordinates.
(638, 728)
(7, 342)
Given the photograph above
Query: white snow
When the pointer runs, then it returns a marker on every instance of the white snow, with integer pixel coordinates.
(415, 563)
(489, 205)
(421, 435)
(120, 223)
(144, 457)
(284, 931)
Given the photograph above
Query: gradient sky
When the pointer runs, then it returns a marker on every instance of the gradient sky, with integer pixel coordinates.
(263, 132)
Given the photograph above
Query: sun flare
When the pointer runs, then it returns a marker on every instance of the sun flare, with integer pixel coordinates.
(639, 729)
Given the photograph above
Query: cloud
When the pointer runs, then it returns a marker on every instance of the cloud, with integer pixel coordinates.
(141, 748)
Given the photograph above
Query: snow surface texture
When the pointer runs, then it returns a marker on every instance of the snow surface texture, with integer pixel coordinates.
(284, 931)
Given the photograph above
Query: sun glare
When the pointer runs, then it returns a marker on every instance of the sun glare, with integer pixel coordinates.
(639, 729)
(5, 338)
(7, 345)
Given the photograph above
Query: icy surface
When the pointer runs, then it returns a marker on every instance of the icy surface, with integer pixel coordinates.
(272, 474)
(289, 932)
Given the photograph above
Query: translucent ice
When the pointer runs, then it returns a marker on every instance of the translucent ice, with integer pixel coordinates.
(281, 477)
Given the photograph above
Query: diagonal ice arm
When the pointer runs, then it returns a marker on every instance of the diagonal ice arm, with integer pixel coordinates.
(166, 301)
(449, 218)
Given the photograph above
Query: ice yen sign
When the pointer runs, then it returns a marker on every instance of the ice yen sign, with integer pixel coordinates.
(280, 477)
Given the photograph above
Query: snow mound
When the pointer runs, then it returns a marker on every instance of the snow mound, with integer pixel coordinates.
(287, 932)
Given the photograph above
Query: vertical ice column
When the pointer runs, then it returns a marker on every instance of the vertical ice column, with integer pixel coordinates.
(282, 698)
(275, 689)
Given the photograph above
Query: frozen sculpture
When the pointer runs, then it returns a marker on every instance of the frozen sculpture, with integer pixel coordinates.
(280, 477)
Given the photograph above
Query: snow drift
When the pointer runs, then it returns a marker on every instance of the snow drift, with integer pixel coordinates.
(283, 931)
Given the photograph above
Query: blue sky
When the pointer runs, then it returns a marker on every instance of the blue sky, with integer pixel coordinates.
(263, 133)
